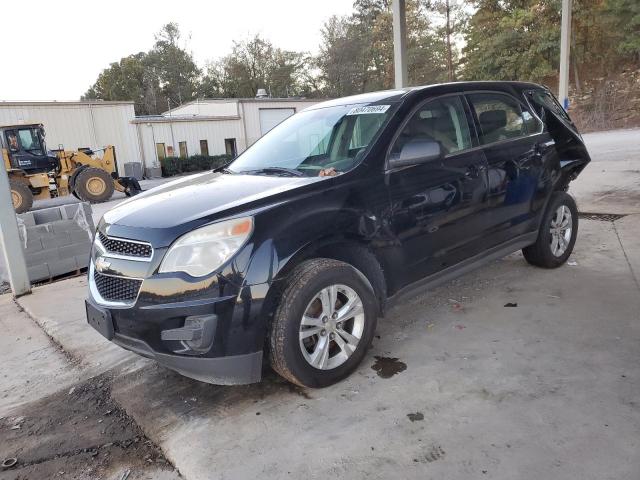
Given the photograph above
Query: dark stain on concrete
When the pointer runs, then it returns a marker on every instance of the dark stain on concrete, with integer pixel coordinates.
(387, 367)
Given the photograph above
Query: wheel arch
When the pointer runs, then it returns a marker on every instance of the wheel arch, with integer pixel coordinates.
(351, 250)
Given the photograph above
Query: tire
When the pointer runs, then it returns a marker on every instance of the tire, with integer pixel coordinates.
(555, 243)
(301, 297)
(93, 185)
(21, 196)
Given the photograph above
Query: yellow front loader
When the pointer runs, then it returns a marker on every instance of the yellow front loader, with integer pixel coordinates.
(36, 173)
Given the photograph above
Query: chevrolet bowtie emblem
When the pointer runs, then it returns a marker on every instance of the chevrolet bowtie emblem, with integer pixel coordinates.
(102, 264)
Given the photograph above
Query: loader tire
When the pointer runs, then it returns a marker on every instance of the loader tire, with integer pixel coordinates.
(93, 185)
(21, 196)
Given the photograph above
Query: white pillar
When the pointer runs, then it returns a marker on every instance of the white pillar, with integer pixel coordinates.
(10, 239)
(565, 43)
(400, 43)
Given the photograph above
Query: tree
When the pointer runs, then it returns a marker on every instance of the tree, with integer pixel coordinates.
(149, 79)
(516, 40)
(356, 53)
(625, 17)
(128, 79)
(174, 66)
(254, 64)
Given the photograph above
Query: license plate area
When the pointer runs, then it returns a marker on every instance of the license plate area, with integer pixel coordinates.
(100, 320)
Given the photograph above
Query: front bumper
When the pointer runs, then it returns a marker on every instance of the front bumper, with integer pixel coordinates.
(232, 370)
(211, 329)
(144, 333)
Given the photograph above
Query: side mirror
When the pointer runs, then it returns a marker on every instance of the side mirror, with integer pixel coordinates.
(415, 152)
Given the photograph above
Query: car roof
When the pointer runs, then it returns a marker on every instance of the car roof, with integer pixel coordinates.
(397, 95)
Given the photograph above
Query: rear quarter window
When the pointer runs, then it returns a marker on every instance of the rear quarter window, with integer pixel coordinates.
(502, 117)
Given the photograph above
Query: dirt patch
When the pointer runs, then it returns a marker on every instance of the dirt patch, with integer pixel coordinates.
(80, 433)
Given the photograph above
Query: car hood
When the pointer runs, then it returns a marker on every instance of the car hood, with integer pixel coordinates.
(198, 196)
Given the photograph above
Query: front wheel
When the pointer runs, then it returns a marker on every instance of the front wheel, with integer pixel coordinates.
(558, 233)
(324, 323)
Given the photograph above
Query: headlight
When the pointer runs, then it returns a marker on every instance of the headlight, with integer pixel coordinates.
(202, 251)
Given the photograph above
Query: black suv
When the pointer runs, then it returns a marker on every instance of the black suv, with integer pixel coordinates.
(291, 253)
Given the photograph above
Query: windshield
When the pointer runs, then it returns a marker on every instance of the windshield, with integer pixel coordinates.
(31, 141)
(315, 141)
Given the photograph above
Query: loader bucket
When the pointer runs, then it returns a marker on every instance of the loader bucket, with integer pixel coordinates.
(130, 185)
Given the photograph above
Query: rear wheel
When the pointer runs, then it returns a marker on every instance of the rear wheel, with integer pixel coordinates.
(21, 196)
(93, 185)
(324, 323)
(558, 233)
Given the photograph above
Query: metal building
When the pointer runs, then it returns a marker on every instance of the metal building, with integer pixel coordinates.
(211, 127)
(75, 125)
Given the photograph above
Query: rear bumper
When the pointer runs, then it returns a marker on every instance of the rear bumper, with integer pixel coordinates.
(232, 370)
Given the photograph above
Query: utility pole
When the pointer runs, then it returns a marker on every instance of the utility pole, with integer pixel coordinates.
(173, 141)
(399, 43)
(10, 243)
(449, 54)
(565, 44)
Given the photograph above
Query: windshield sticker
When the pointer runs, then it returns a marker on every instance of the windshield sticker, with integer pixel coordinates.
(369, 109)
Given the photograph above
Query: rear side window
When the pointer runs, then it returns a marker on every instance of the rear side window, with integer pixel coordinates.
(502, 118)
(443, 120)
(542, 98)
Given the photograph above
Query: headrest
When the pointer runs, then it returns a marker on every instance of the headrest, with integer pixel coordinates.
(492, 120)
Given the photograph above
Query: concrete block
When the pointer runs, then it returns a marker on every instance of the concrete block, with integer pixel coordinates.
(39, 231)
(82, 260)
(43, 256)
(33, 245)
(37, 273)
(27, 219)
(55, 241)
(70, 251)
(63, 266)
(69, 211)
(64, 226)
(47, 215)
(79, 236)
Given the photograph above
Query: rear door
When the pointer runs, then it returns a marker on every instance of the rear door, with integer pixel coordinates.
(435, 206)
(516, 150)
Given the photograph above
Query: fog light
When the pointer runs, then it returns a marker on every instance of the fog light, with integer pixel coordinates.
(197, 333)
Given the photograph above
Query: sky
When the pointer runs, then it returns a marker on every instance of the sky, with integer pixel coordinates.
(58, 47)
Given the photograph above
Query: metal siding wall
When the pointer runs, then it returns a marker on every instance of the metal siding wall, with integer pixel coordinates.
(252, 115)
(113, 127)
(71, 126)
(192, 132)
(208, 108)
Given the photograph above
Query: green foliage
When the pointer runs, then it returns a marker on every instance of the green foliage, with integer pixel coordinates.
(167, 74)
(196, 163)
(356, 53)
(446, 40)
(255, 64)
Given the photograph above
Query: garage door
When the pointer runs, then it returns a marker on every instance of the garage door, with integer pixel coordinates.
(270, 117)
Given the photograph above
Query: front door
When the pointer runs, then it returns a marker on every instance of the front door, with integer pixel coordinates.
(435, 206)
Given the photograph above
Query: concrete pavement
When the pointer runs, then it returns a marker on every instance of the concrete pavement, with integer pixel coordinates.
(611, 182)
(547, 388)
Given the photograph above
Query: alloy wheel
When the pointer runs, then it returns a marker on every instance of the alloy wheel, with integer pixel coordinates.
(331, 327)
(561, 229)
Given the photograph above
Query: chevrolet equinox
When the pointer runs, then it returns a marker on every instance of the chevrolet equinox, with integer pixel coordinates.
(288, 255)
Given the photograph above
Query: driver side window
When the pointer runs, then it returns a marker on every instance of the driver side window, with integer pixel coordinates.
(443, 121)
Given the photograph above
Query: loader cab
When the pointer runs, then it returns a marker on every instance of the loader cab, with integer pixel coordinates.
(26, 150)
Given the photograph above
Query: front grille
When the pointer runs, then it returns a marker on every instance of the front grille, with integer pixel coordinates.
(117, 289)
(124, 247)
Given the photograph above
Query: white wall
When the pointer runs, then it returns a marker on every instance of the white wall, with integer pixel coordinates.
(80, 124)
(207, 108)
(250, 110)
(191, 131)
